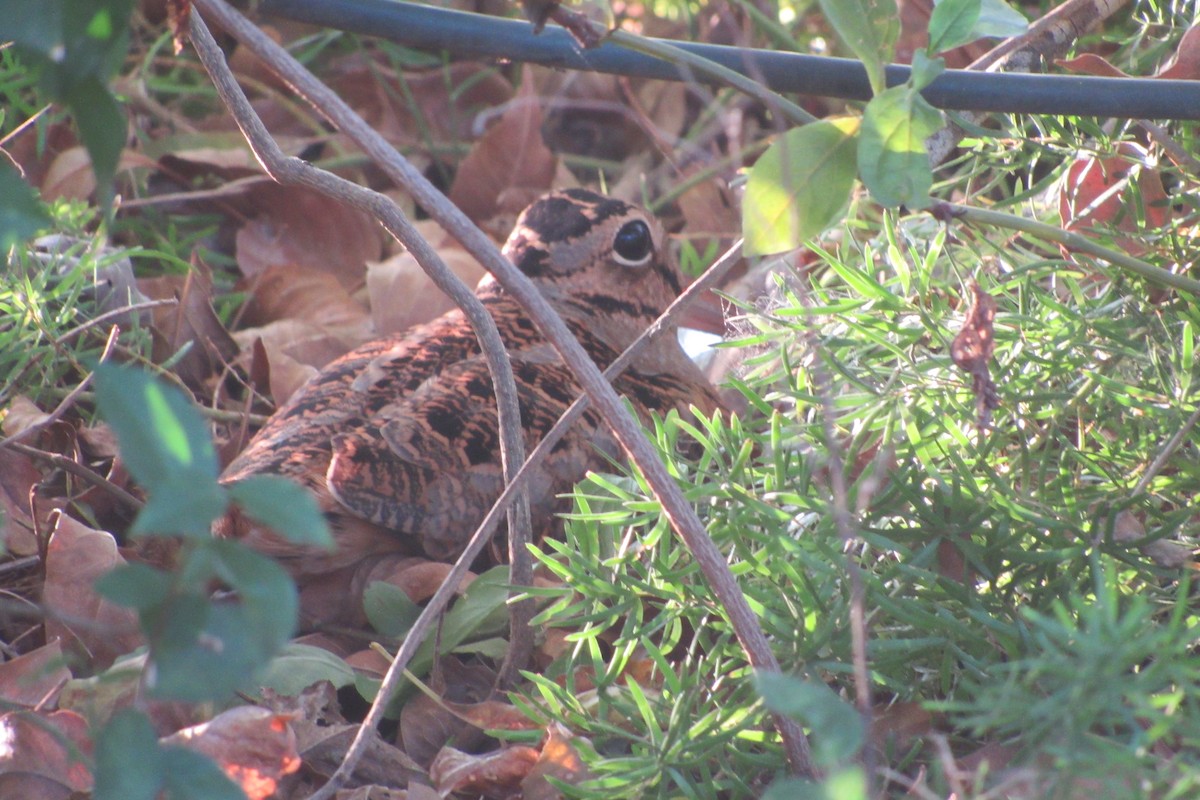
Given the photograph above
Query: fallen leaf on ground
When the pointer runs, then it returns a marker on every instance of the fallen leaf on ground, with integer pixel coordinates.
(28, 679)
(254, 747)
(75, 557)
(41, 754)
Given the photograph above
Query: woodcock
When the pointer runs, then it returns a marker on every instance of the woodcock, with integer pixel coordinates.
(398, 439)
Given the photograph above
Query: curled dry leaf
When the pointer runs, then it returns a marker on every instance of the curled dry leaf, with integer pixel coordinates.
(254, 747)
(30, 678)
(40, 757)
(75, 557)
(494, 774)
(972, 349)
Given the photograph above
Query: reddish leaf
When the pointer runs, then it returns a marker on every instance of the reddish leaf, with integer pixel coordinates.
(559, 759)
(41, 754)
(253, 746)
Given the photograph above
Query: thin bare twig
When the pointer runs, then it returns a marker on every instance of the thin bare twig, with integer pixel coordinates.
(81, 472)
(626, 429)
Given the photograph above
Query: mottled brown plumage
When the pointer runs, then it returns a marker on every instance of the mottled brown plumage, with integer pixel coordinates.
(398, 438)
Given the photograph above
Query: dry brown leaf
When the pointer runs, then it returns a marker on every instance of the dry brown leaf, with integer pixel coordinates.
(493, 715)
(1091, 64)
(425, 728)
(22, 414)
(40, 757)
(18, 476)
(314, 297)
(401, 295)
(254, 747)
(494, 774)
(1092, 195)
(192, 320)
(30, 678)
(560, 760)
(417, 577)
(972, 349)
(509, 155)
(1128, 528)
(70, 173)
(301, 228)
(1185, 64)
(75, 557)
(446, 99)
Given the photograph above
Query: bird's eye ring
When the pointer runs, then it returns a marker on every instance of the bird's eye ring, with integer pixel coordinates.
(633, 246)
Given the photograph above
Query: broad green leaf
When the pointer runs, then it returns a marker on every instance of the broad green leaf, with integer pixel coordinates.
(266, 594)
(21, 211)
(870, 29)
(925, 69)
(838, 730)
(166, 446)
(129, 764)
(299, 666)
(160, 431)
(892, 159)
(193, 776)
(998, 18)
(136, 586)
(181, 507)
(800, 186)
(223, 657)
(101, 126)
(796, 789)
(951, 24)
(389, 610)
(285, 507)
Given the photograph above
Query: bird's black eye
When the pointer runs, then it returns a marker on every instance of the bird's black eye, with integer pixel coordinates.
(633, 245)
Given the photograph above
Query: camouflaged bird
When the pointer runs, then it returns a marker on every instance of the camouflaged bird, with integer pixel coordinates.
(398, 439)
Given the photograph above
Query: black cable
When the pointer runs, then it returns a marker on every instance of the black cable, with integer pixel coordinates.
(478, 36)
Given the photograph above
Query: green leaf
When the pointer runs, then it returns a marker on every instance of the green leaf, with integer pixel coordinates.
(838, 730)
(925, 69)
(102, 128)
(129, 763)
(137, 586)
(998, 18)
(192, 776)
(870, 29)
(283, 506)
(951, 24)
(389, 610)
(481, 612)
(166, 446)
(892, 159)
(800, 186)
(268, 596)
(21, 211)
(301, 665)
